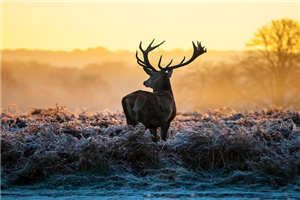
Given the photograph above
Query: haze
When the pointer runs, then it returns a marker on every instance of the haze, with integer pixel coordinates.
(96, 65)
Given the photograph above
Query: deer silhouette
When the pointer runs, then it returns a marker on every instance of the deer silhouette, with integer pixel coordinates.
(155, 109)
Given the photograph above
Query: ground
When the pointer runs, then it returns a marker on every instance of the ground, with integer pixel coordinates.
(48, 142)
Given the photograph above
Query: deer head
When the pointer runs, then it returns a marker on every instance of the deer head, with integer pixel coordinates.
(159, 80)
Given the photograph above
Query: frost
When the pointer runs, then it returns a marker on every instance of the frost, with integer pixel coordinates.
(54, 141)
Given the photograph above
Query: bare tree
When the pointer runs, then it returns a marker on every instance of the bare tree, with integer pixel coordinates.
(276, 46)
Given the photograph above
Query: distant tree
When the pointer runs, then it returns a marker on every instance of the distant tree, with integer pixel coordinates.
(276, 47)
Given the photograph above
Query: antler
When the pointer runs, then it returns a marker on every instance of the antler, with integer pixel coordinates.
(198, 50)
(146, 63)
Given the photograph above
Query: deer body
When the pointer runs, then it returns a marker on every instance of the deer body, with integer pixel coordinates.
(155, 109)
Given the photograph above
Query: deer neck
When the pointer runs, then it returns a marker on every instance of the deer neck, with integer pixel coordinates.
(165, 88)
(165, 99)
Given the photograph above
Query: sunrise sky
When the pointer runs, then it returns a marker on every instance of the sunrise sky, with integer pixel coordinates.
(65, 25)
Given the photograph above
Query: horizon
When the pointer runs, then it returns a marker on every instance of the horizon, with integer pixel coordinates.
(65, 26)
(115, 50)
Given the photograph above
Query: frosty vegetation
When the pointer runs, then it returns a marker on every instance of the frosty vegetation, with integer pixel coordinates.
(52, 141)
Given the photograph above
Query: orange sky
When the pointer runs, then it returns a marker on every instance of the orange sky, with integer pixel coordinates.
(65, 25)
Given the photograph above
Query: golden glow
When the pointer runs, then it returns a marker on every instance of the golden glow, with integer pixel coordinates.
(66, 25)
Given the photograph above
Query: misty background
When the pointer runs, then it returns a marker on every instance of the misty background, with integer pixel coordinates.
(91, 73)
(96, 79)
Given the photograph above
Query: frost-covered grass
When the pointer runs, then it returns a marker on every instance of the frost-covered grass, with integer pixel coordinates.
(54, 141)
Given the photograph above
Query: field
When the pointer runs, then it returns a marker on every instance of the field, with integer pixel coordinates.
(250, 148)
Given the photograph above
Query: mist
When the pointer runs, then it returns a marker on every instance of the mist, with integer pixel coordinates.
(96, 79)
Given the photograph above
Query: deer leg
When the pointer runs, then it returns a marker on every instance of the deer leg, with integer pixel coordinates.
(164, 131)
(154, 134)
(128, 112)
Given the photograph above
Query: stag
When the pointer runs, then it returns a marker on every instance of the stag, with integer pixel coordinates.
(155, 109)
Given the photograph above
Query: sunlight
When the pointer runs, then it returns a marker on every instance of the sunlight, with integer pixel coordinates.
(65, 25)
